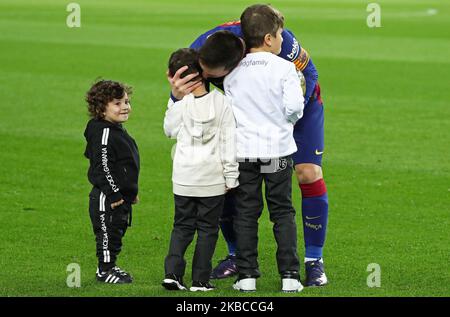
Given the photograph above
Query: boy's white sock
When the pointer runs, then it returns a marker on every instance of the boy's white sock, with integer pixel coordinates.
(314, 259)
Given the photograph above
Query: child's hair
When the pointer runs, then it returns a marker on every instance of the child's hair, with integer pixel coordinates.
(259, 20)
(185, 57)
(101, 93)
(222, 49)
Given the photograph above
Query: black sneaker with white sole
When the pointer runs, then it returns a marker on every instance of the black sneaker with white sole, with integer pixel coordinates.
(198, 286)
(172, 282)
(114, 276)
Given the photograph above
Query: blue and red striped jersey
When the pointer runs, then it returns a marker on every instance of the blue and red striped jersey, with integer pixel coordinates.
(291, 50)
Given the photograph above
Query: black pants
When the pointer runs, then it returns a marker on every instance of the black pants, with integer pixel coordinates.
(193, 214)
(249, 206)
(109, 227)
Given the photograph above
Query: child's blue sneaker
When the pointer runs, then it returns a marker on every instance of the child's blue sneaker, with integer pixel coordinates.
(226, 268)
(315, 273)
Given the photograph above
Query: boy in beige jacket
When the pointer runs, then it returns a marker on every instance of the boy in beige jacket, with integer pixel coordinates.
(204, 169)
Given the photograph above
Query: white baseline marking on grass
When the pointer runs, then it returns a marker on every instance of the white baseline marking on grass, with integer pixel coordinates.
(432, 11)
(412, 14)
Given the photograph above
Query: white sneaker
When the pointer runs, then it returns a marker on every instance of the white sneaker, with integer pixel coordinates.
(291, 285)
(245, 285)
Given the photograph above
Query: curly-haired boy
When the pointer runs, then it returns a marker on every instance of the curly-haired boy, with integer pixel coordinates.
(113, 173)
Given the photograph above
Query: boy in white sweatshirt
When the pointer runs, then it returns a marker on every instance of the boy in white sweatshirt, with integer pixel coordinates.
(204, 169)
(266, 97)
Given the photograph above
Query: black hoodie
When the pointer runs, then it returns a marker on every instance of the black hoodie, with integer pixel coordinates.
(114, 160)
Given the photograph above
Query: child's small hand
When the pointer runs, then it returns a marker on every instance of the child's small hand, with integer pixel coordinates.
(117, 203)
(136, 200)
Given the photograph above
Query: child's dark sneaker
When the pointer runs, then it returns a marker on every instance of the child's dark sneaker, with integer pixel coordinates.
(201, 286)
(173, 282)
(114, 276)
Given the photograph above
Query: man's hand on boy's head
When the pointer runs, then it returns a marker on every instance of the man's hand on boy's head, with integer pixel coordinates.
(182, 86)
(117, 203)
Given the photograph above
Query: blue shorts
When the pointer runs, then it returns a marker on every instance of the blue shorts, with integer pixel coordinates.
(308, 133)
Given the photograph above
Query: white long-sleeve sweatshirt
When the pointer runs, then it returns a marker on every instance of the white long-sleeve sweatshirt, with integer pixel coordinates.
(267, 99)
(204, 163)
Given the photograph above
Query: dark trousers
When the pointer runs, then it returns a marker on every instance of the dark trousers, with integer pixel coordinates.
(249, 206)
(194, 214)
(109, 226)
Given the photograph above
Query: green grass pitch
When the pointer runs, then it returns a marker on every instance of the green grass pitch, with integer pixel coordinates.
(386, 163)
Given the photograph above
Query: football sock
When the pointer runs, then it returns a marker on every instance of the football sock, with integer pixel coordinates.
(226, 225)
(315, 217)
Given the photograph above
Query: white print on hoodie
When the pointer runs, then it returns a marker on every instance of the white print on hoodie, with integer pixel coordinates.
(204, 163)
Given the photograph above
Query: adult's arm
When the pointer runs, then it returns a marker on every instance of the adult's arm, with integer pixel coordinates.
(181, 87)
(292, 51)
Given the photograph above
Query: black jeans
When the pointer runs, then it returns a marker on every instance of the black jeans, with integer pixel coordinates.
(249, 206)
(193, 214)
(109, 226)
